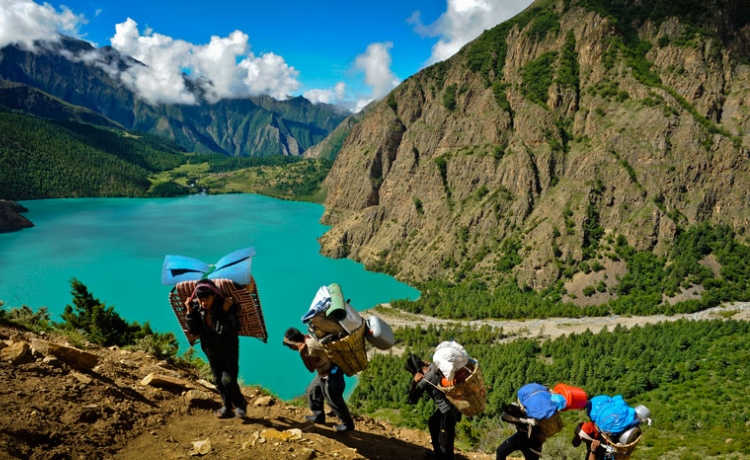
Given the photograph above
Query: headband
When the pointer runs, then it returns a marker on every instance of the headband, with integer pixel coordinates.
(290, 342)
(209, 286)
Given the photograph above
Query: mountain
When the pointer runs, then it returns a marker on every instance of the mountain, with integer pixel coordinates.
(22, 98)
(75, 72)
(330, 147)
(574, 127)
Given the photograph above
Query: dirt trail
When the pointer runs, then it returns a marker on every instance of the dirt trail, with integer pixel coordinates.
(556, 327)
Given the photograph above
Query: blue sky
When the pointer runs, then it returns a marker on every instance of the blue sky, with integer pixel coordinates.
(334, 51)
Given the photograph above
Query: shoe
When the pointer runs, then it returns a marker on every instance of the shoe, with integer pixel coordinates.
(222, 413)
(240, 412)
(343, 427)
(430, 455)
(314, 419)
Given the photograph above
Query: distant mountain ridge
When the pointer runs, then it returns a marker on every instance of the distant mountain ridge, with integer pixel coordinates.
(74, 71)
(526, 154)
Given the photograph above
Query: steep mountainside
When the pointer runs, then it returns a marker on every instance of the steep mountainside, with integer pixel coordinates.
(23, 98)
(574, 122)
(77, 73)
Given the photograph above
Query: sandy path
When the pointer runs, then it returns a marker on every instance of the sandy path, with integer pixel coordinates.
(556, 327)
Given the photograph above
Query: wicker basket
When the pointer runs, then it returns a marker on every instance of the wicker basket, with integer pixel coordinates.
(469, 396)
(550, 426)
(349, 353)
(621, 451)
(250, 313)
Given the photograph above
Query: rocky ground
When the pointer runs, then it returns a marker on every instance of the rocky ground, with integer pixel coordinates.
(60, 402)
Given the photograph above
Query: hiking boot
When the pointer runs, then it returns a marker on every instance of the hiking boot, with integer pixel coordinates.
(314, 419)
(343, 427)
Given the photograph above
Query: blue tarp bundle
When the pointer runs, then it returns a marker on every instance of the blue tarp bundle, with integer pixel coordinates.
(235, 266)
(537, 401)
(612, 414)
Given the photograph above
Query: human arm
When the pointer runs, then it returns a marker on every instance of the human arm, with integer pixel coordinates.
(424, 380)
(228, 302)
(415, 391)
(193, 321)
(592, 452)
(308, 360)
(189, 303)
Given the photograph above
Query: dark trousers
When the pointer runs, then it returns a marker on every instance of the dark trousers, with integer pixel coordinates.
(331, 390)
(225, 372)
(531, 448)
(443, 433)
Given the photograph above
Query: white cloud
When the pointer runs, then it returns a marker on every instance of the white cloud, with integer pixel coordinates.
(375, 65)
(375, 62)
(23, 21)
(327, 96)
(464, 21)
(216, 62)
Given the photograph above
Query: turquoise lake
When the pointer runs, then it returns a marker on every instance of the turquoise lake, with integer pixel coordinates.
(116, 247)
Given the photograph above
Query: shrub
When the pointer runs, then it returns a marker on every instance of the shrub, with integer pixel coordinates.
(449, 97)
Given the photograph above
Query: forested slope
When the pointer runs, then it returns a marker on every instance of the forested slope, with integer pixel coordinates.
(51, 159)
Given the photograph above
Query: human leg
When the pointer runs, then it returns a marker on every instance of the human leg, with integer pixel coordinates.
(231, 385)
(315, 400)
(530, 447)
(333, 390)
(447, 435)
(433, 424)
(217, 370)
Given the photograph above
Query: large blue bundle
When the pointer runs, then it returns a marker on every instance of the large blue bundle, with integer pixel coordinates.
(612, 414)
(234, 266)
(537, 401)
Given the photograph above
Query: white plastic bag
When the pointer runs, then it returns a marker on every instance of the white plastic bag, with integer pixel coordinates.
(449, 357)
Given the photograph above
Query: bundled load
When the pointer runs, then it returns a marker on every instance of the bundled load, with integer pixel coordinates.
(462, 381)
(618, 423)
(231, 274)
(575, 398)
(537, 406)
(342, 331)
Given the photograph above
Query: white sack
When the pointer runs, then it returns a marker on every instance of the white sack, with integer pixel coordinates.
(449, 357)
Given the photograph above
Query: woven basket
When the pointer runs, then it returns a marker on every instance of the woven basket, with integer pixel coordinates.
(250, 313)
(349, 353)
(550, 426)
(621, 451)
(469, 396)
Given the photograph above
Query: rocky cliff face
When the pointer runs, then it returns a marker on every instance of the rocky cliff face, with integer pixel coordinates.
(524, 152)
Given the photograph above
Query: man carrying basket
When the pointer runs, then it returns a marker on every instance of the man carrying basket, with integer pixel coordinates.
(442, 423)
(328, 384)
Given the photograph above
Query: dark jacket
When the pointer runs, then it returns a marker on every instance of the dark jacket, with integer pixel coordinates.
(223, 340)
(428, 384)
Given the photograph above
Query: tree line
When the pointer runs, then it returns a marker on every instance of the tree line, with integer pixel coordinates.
(646, 289)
